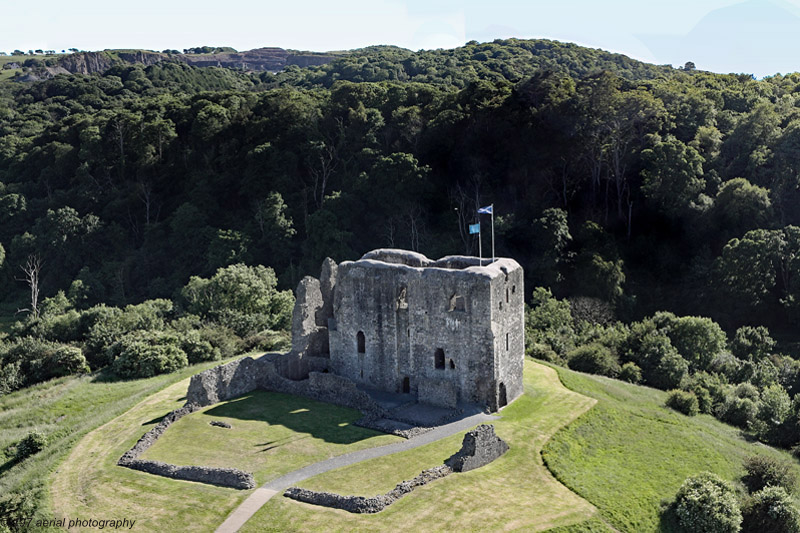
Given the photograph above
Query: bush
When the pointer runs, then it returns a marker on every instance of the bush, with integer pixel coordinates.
(752, 343)
(662, 366)
(29, 360)
(146, 354)
(630, 372)
(33, 443)
(740, 412)
(771, 510)
(542, 351)
(595, 359)
(765, 471)
(197, 349)
(683, 401)
(267, 341)
(17, 508)
(707, 504)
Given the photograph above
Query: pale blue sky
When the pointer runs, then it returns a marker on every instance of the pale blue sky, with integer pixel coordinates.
(754, 36)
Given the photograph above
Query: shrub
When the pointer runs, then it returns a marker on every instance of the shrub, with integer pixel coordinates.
(662, 366)
(771, 510)
(683, 401)
(630, 372)
(268, 341)
(197, 349)
(16, 508)
(146, 354)
(707, 504)
(765, 471)
(11, 377)
(752, 343)
(595, 359)
(33, 443)
(740, 412)
(539, 350)
(30, 360)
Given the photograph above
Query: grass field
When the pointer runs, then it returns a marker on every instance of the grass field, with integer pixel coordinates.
(272, 434)
(629, 452)
(514, 492)
(65, 410)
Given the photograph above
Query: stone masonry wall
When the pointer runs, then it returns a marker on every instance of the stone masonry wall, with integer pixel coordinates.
(439, 392)
(480, 447)
(226, 477)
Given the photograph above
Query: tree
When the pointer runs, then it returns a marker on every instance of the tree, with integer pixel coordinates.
(741, 206)
(32, 270)
(771, 510)
(707, 504)
(673, 176)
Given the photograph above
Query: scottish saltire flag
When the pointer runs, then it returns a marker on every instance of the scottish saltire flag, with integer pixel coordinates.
(486, 210)
(474, 228)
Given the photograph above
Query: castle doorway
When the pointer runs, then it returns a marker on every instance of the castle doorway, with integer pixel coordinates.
(502, 399)
(361, 341)
(406, 385)
(438, 358)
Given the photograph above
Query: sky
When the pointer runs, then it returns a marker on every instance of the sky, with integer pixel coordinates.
(759, 37)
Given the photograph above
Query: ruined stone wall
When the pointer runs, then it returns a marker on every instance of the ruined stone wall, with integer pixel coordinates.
(226, 477)
(508, 326)
(479, 448)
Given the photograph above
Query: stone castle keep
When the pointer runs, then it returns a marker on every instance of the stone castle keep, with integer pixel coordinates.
(446, 331)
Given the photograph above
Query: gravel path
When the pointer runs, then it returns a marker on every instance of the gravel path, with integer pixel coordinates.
(253, 503)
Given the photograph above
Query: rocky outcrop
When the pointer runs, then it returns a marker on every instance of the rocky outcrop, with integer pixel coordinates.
(479, 448)
(86, 62)
(374, 504)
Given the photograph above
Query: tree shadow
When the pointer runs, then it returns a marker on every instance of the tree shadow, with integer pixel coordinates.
(668, 523)
(322, 421)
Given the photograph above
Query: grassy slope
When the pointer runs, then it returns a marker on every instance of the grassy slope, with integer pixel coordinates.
(272, 434)
(629, 452)
(90, 484)
(66, 409)
(514, 492)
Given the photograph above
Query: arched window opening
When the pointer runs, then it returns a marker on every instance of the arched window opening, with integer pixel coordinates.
(362, 342)
(502, 399)
(406, 385)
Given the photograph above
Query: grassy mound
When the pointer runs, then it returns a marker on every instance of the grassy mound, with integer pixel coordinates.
(272, 434)
(64, 410)
(514, 492)
(629, 452)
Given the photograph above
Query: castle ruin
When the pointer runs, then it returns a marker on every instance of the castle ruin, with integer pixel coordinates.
(446, 331)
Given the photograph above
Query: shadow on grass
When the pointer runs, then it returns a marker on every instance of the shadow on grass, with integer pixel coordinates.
(323, 421)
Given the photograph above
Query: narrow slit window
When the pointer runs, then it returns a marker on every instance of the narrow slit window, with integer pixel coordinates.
(361, 341)
(438, 358)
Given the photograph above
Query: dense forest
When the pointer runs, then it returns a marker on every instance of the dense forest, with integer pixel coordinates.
(155, 216)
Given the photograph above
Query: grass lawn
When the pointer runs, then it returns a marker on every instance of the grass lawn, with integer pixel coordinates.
(629, 452)
(514, 492)
(65, 409)
(272, 434)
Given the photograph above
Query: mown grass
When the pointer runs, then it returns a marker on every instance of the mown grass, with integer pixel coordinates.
(271, 434)
(629, 452)
(89, 484)
(65, 410)
(514, 492)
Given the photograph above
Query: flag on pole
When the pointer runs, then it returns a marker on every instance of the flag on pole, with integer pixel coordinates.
(486, 210)
(474, 228)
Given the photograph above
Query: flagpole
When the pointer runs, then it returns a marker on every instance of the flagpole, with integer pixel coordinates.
(480, 247)
(492, 233)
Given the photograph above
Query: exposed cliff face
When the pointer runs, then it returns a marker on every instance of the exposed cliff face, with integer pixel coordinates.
(86, 62)
(260, 59)
(271, 59)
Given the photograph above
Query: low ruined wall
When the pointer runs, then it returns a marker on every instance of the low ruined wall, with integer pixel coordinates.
(223, 382)
(439, 392)
(480, 447)
(226, 477)
(374, 504)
